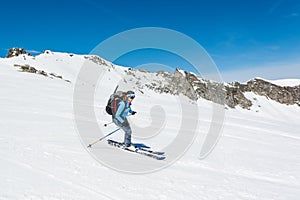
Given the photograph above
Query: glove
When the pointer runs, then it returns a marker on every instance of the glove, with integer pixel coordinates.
(133, 112)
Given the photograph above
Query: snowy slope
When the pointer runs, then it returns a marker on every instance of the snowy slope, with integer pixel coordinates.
(43, 156)
(287, 82)
(283, 82)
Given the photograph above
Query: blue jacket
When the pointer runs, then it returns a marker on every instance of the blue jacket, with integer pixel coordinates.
(122, 111)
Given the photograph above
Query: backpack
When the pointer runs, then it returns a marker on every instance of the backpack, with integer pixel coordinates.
(113, 102)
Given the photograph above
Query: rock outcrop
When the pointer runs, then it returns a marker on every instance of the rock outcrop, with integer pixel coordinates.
(16, 52)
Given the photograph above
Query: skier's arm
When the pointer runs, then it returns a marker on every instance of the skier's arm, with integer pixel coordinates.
(119, 112)
(131, 111)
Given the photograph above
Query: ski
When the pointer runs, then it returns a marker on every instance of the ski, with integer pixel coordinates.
(144, 149)
(149, 150)
(136, 150)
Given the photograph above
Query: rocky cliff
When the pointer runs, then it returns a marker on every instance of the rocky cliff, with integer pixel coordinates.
(230, 94)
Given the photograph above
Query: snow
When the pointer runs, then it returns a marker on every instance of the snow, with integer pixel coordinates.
(284, 82)
(43, 157)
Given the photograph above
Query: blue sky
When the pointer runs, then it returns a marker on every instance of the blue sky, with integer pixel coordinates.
(246, 38)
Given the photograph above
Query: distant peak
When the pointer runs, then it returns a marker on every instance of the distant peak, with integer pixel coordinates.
(48, 52)
(16, 51)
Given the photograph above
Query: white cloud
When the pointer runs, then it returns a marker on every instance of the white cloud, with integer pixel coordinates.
(33, 51)
(292, 15)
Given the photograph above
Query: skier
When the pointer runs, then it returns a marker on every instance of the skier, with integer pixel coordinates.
(119, 118)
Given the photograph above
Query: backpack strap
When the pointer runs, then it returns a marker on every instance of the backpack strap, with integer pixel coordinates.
(115, 105)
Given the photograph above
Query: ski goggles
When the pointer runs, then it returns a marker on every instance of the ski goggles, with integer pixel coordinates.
(131, 96)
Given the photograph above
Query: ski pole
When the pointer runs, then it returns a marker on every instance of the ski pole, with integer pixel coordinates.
(90, 145)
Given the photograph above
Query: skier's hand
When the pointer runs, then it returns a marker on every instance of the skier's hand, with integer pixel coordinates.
(133, 112)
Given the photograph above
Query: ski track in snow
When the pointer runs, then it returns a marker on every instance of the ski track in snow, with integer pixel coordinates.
(42, 157)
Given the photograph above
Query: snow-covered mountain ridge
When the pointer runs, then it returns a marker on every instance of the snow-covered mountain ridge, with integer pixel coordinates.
(181, 82)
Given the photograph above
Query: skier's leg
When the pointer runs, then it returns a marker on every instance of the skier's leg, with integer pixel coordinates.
(127, 131)
(127, 137)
